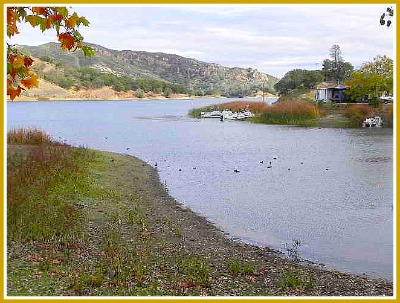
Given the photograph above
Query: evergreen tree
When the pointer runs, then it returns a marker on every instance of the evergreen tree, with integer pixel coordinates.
(336, 69)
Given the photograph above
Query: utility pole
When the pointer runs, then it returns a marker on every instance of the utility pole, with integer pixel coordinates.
(262, 91)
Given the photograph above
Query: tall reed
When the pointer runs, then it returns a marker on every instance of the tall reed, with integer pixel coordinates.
(44, 185)
(33, 136)
(289, 112)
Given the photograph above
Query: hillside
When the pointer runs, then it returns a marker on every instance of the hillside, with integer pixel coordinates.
(199, 77)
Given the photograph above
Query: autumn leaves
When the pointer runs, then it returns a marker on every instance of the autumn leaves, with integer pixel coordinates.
(19, 74)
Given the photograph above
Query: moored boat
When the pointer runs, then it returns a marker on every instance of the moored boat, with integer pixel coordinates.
(372, 122)
(213, 114)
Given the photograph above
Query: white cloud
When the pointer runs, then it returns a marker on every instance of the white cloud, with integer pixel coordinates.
(271, 38)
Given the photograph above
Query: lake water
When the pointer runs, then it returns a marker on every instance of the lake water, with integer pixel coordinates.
(332, 189)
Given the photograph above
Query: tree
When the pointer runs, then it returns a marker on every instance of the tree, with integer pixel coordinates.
(372, 79)
(167, 92)
(298, 78)
(336, 54)
(19, 73)
(336, 69)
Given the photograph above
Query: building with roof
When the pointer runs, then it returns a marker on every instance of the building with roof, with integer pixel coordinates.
(330, 92)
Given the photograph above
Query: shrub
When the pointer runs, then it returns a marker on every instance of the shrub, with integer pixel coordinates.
(33, 136)
(140, 93)
(358, 112)
(388, 116)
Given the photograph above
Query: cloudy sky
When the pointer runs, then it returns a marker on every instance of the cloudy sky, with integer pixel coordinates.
(272, 38)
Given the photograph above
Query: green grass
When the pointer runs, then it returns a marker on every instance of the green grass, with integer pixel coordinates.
(56, 196)
(289, 279)
(195, 271)
(284, 120)
(237, 267)
(295, 279)
(45, 183)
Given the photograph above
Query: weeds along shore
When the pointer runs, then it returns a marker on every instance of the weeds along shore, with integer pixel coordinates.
(88, 223)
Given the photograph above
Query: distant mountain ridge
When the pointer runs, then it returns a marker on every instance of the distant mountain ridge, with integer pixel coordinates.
(193, 74)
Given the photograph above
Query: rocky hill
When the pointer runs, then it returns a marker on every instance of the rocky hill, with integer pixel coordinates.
(201, 77)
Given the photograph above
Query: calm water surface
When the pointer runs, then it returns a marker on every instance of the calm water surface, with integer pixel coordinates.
(332, 189)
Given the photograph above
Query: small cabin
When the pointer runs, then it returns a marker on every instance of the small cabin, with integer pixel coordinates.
(330, 92)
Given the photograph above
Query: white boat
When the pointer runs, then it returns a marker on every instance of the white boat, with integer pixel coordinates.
(387, 99)
(240, 115)
(227, 114)
(213, 114)
(372, 122)
(248, 114)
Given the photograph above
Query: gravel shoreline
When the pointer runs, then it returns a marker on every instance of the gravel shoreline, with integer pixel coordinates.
(201, 237)
(139, 241)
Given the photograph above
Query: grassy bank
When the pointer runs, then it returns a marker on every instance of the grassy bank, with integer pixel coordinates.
(303, 112)
(84, 222)
(289, 113)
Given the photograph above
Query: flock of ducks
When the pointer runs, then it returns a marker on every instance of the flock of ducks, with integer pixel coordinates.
(235, 170)
(238, 171)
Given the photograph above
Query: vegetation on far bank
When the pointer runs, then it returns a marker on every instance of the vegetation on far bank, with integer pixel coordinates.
(88, 223)
(302, 112)
(365, 84)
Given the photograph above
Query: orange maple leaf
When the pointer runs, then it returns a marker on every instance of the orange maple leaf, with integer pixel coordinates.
(12, 15)
(33, 20)
(13, 92)
(47, 24)
(28, 61)
(57, 18)
(12, 29)
(40, 10)
(67, 41)
(71, 21)
(18, 62)
(31, 81)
